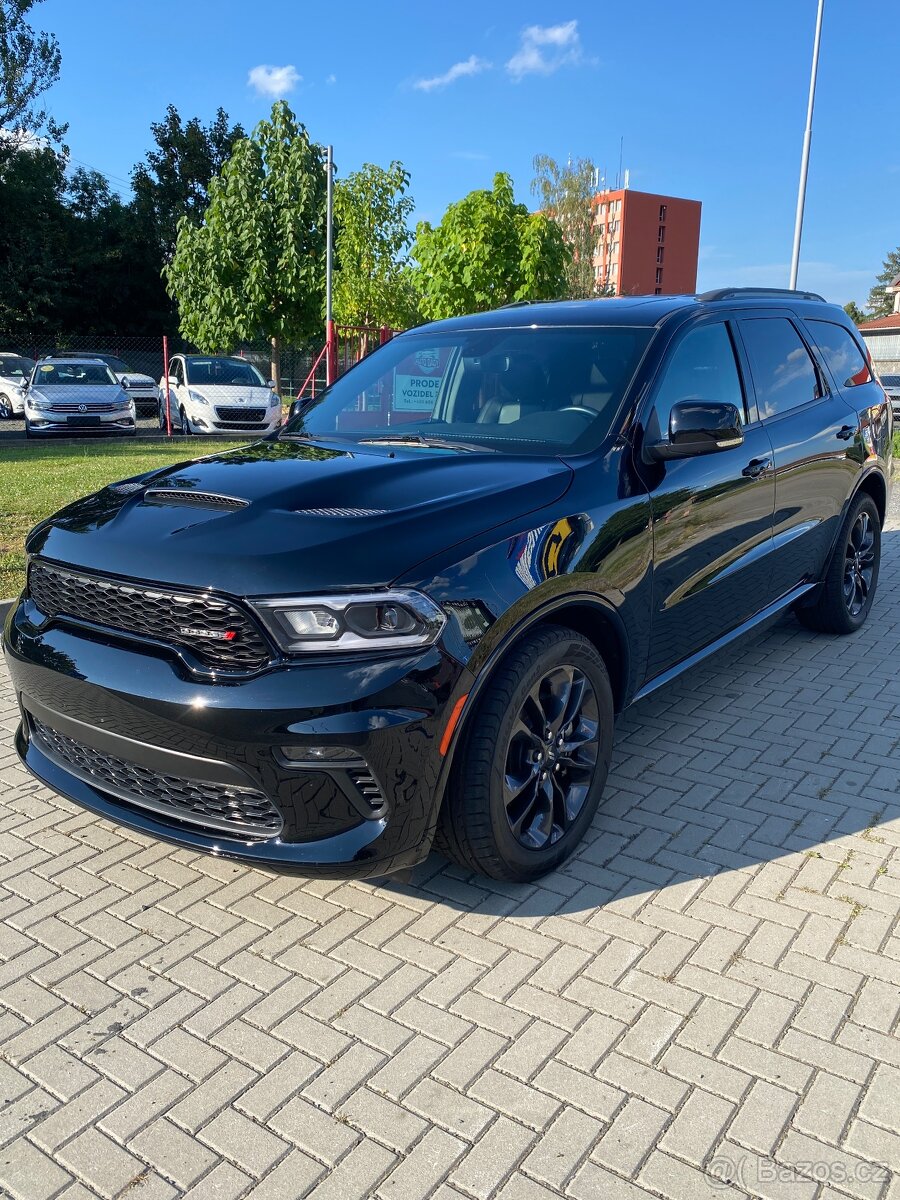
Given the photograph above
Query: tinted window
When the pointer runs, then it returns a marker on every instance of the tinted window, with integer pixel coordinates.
(223, 371)
(845, 360)
(702, 367)
(783, 371)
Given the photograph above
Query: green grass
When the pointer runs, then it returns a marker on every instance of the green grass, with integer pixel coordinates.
(897, 443)
(36, 480)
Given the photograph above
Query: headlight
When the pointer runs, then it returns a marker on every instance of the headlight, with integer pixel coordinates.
(38, 403)
(125, 401)
(198, 399)
(275, 400)
(388, 620)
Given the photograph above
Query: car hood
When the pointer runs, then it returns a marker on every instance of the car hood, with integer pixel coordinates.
(77, 393)
(9, 381)
(233, 393)
(136, 377)
(297, 517)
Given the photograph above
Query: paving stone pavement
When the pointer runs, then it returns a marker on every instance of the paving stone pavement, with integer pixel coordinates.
(703, 1003)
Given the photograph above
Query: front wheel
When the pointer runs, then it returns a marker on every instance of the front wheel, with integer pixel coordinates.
(848, 588)
(185, 424)
(6, 408)
(533, 761)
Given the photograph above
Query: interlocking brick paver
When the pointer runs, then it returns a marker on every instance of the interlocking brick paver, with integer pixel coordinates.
(709, 986)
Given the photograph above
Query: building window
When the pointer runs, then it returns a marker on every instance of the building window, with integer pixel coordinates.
(662, 212)
(657, 291)
(662, 234)
(659, 254)
(615, 246)
(659, 274)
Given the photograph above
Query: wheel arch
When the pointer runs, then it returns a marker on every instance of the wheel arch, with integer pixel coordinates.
(873, 483)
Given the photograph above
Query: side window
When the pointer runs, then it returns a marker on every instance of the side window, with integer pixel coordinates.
(177, 370)
(846, 361)
(783, 372)
(702, 367)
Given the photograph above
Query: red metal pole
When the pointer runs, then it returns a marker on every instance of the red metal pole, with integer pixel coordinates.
(166, 377)
(330, 353)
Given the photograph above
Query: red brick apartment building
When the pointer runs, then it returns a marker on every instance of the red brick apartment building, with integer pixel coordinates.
(646, 244)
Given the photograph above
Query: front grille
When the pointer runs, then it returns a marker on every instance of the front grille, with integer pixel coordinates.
(236, 810)
(88, 408)
(179, 618)
(183, 497)
(232, 413)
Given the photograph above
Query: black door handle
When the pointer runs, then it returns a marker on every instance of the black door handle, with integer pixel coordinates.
(846, 432)
(756, 467)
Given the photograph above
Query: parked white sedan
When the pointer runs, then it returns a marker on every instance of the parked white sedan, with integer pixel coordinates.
(211, 394)
(14, 373)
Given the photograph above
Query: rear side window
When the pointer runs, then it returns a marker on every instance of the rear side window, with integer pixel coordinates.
(845, 360)
(783, 372)
(701, 367)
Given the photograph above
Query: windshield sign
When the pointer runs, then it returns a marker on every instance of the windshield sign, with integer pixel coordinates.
(522, 391)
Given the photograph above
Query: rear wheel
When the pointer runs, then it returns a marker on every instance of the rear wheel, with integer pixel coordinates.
(530, 770)
(848, 589)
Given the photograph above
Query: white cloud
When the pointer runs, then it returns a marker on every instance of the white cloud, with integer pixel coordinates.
(331, 79)
(274, 81)
(545, 48)
(473, 65)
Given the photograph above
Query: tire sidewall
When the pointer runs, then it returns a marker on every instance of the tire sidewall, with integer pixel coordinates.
(862, 502)
(578, 653)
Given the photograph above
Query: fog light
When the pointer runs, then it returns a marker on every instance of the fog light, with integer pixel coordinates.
(320, 754)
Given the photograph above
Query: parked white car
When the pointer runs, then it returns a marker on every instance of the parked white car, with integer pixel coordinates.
(891, 384)
(76, 395)
(212, 394)
(141, 388)
(14, 373)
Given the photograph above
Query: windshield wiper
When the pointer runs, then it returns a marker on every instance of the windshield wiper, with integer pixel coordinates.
(417, 439)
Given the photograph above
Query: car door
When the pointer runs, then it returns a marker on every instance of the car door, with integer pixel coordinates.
(712, 513)
(814, 434)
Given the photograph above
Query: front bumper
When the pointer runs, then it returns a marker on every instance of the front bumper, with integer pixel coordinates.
(75, 423)
(142, 710)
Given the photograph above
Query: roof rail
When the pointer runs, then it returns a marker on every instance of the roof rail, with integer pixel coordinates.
(738, 293)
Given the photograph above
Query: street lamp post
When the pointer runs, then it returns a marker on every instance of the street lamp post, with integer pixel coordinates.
(330, 338)
(804, 160)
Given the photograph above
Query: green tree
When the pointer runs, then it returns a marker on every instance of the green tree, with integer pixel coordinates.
(29, 65)
(854, 312)
(566, 195)
(255, 266)
(488, 251)
(880, 302)
(372, 284)
(173, 180)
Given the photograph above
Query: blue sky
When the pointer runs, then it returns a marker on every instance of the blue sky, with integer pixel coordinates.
(709, 96)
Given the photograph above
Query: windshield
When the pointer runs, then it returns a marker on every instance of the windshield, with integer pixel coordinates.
(520, 391)
(16, 368)
(223, 370)
(56, 374)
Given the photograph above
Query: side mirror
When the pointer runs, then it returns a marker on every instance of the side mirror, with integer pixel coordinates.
(699, 427)
(299, 407)
(273, 385)
(172, 381)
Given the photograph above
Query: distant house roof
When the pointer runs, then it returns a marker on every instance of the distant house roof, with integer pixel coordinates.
(890, 322)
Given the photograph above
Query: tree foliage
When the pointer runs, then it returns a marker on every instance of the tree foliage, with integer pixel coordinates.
(880, 302)
(29, 65)
(372, 283)
(173, 180)
(255, 266)
(566, 196)
(854, 312)
(488, 251)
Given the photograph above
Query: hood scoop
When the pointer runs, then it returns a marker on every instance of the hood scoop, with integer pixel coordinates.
(341, 512)
(184, 498)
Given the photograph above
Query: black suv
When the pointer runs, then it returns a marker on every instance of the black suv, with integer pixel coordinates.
(412, 613)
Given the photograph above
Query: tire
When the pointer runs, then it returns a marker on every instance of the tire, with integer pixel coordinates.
(28, 432)
(6, 408)
(499, 749)
(848, 588)
(185, 423)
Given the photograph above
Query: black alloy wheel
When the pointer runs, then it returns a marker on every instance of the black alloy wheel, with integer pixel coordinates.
(848, 587)
(532, 759)
(859, 564)
(551, 757)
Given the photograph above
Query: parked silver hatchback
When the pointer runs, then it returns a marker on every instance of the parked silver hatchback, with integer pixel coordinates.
(76, 395)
